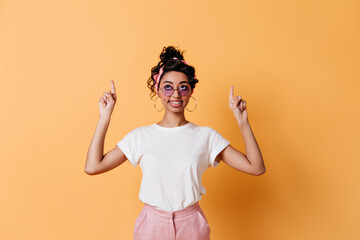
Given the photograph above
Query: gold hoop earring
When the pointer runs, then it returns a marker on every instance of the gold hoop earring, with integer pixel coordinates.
(155, 105)
(195, 105)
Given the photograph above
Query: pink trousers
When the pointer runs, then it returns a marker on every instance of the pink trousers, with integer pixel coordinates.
(186, 224)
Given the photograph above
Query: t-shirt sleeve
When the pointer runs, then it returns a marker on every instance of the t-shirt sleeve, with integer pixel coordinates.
(128, 146)
(217, 144)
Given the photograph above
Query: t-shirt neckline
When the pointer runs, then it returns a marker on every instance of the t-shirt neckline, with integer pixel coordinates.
(171, 129)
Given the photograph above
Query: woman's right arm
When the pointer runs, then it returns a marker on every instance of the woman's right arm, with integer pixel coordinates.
(96, 161)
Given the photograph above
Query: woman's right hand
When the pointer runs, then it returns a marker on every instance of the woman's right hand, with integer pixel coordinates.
(107, 101)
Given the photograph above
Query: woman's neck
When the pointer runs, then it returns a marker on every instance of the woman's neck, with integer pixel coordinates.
(173, 120)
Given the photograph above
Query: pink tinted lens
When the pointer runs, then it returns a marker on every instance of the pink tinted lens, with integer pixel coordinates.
(184, 90)
(168, 91)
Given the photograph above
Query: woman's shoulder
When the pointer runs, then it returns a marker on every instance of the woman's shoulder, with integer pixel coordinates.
(143, 128)
(203, 128)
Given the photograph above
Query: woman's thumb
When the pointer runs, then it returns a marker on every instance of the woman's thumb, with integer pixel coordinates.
(109, 94)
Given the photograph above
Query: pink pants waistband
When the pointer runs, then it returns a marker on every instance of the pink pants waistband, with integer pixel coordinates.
(173, 214)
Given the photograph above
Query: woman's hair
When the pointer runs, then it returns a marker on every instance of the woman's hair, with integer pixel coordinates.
(171, 64)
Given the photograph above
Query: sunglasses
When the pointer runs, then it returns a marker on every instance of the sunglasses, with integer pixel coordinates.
(168, 90)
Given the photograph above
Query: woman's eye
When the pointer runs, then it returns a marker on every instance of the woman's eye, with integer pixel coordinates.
(167, 87)
(184, 87)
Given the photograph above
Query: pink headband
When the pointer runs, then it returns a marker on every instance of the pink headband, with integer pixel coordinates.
(158, 75)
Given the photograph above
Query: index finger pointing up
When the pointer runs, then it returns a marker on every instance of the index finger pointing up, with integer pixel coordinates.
(113, 87)
(231, 97)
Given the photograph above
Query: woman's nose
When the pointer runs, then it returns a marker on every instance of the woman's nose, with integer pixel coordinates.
(176, 93)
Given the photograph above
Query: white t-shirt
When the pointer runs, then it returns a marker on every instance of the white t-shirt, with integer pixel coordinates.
(172, 161)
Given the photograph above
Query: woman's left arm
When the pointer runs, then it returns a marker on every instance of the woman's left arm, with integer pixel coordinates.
(252, 162)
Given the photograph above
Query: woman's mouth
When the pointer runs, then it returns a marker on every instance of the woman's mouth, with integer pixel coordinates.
(177, 103)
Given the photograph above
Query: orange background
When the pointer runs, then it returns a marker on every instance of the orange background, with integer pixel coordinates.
(296, 63)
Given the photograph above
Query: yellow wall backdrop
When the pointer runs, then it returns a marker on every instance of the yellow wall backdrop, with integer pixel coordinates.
(296, 63)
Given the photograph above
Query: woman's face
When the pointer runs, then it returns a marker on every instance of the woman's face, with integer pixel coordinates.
(176, 80)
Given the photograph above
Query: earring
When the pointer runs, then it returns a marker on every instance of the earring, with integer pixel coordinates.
(195, 105)
(155, 105)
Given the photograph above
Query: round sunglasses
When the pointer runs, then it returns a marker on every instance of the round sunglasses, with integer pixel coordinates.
(168, 90)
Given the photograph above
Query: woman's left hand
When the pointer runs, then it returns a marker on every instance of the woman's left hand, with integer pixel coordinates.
(238, 106)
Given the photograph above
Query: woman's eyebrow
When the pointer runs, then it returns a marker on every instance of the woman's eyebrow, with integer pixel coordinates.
(172, 82)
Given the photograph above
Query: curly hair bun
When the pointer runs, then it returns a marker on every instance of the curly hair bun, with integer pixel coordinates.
(169, 53)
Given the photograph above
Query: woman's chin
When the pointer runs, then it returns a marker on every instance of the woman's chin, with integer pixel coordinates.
(176, 110)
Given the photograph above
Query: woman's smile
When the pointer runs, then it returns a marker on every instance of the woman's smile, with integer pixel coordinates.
(176, 103)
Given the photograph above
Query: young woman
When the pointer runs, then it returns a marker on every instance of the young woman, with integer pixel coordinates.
(173, 153)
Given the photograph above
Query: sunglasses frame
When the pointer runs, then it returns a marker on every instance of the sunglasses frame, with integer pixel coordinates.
(177, 89)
